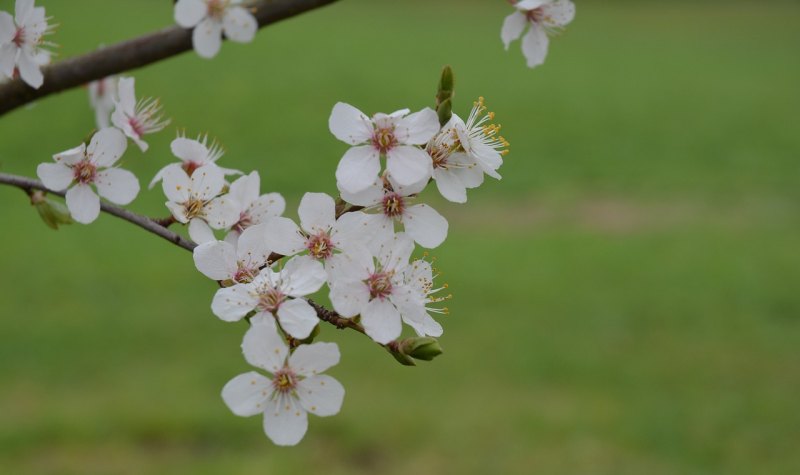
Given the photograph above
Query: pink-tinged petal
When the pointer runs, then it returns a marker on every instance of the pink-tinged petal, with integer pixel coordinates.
(71, 156)
(216, 260)
(8, 59)
(266, 206)
(239, 25)
(117, 185)
(425, 225)
(313, 359)
(297, 318)
(381, 321)
(231, 304)
(251, 247)
(264, 348)
(513, 26)
(321, 395)
(23, 10)
(450, 185)
(127, 95)
(417, 128)
(29, 70)
(107, 146)
(285, 421)
(188, 13)
(55, 176)
(246, 189)
(83, 203)
(189, 150)
(200, 232)
(175, 183)
(527, 5)
(302, 275)
(207, 38)
(559, 13)
(358, 169)
(7, 28)
(348, 298)
(395, 252)
(317, 212)
(221, 212)
(247, 394)
(534, 45)
(409, 165)
(349, 124)
(283, 236)
(207, 182)
(178, 211)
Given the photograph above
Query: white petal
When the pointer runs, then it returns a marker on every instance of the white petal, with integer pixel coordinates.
(417, 128)
(127, 95)
(395, 252)
(216, 260)
(408, 190)
(188, 13)
(247, 394)
(266, 206)
(176, 183)
(310, 360)
(559, 13)
(371, 195)
(534, 45)
(302, 275)
(117, 185)
(450, 185)
(425, 225)
(22, 10)
(381, 321)
(353, 264)
(207, 38)
(71, 156)
(358, 168)
(246, 189)
(8, 59)
(207, 182)
(189, 150)
(251, 247)
(297, 318)
(107, 146)
(231, 304)
(409, 165)
(83, 203)
(513, 26)
(200, 231)
(530, 4)
(239, 25)
(178, 211)
(264, 348)
(283, 236)
(29, 70)
(285, 421)
(7, 28)
(321, 395)
(470, 174)
(348, 298)
(350, 229)
(349, 124)
(55, 176)
(221, 212)
(317, 212)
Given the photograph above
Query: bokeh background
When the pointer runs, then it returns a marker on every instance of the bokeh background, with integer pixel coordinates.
(625, 299)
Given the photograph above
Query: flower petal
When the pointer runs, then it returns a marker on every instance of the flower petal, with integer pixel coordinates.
(321, 395)
(247, 394)
(127, 95)
(358, 168)
(285, 421)
(381, 321)
(297, 318)
(239, 25)
(8, 59)
(22, 10)
(207, 38)
(371, 195)
(7, 28)
(189, 150)
(317, 212)
(425, 225)
(395, 252)
(266, 206)
(349, 297)
(251, 247)
(188, 13)
(450, 185)
(417, 128)
(200, 231)
(534, 45)
(559, 13)
(215, 260)
(175, 183)
(283, 236)
(408, 165)
(207, 182)
(55, 176)
(349, 124)
(264, 348)
(83, 203)
(117, 185)
(310, 360)
(231, 304)
(107, 146)
(29, 70)
(246, 189)
(302, 275)
(222, 212)
(513, 26)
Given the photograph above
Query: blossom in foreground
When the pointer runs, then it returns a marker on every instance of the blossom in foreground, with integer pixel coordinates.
(210, 18)
(295, 388)
(395, 203)
(419, 276)
(21, 42)
(194, 153)
(396, 136)
(276, 295)
(544, 17)
(82, 166)
(195, 200)
(240, 263)
(377, 290)
(254, 208)
(102, 98)
(134, 118)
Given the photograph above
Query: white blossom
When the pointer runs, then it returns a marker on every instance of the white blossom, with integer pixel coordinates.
(254, 208)
(136, 119)
(210, 18)
(544, 17)
(81, 167)
(102, 98)
(296, 387)
(194, 154)
(240, 262)
(395, 136)
(21, 42)
(419, 276)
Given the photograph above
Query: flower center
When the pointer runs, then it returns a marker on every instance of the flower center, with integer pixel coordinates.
(193, 207)
(270, 300)
(245, 221)
(320, 246)
(383, 139)
(380, 285)
(439, 156)
(216, 8)
(137, 127)
(190, 166)
(393, 205)
(285, 380)
(84, 172)
(19, 37)
(536, 15)
(244, 275)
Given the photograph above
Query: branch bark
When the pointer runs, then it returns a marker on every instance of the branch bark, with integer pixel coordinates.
(132, 54)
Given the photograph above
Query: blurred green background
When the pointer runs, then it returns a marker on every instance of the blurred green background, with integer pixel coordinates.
(626, 298)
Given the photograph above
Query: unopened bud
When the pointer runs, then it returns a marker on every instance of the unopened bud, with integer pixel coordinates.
(422, 348)
(52, 212)
(444, 96)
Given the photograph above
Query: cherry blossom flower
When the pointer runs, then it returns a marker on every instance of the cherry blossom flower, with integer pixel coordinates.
(395, 136)
(239, 263)
(194, 154)
(134, 118)
(254, 208)
(195, 200)
(102, 98)
(545, 17)
(210, 18)
(21, 42)
(295, 388)
(376, 288)
(82, 166)
(419, 276)
(393, 203)
(276, 295)
(320, 233)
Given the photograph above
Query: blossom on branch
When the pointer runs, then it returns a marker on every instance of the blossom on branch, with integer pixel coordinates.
(254, 208)
(210, 18)
(544, 17)
(82, 166)
(194, 154)
(240, 262)
(21, 42)
(136, 118)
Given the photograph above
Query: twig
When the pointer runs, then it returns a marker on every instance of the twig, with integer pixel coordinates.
(132, 54)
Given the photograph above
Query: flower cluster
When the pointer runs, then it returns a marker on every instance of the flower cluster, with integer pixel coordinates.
(542, 18)
(22, 46)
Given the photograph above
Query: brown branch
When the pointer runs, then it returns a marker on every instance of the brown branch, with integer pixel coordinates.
(132, 54)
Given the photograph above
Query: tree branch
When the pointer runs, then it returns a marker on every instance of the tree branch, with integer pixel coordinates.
(132, 54)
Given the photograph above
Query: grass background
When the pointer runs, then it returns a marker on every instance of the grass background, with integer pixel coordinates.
(625, 298)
